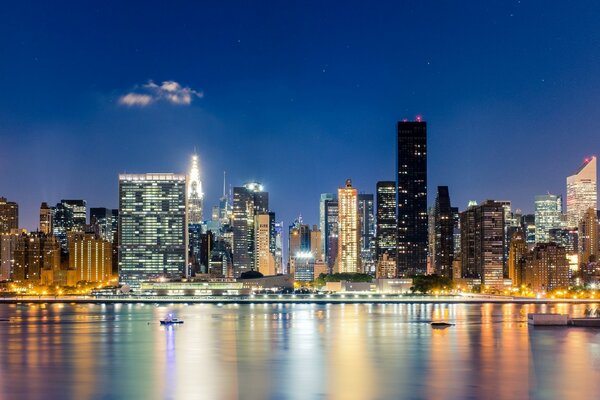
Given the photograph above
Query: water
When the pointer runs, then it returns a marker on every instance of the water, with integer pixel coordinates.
(302, 351)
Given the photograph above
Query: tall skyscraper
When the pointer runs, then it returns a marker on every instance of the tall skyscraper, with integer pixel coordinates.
(348, 258)
(248, 200)
(45, 219)
(482, 243)
(323, 218)
(412, 198)
(386, 221)
(9, 215)
(366, 213)
(68, 216)
(194, 193)
(582, 192)
(265, 246)
(548, 216)
(152, 227)
(518, 250)
(105, 222)
(443, 227)
(8, 244)
(331, 232)
(588, 237)
(90, 256)
(34, 253)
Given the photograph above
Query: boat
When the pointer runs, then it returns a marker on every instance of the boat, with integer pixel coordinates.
(170, 321)
(441, 324)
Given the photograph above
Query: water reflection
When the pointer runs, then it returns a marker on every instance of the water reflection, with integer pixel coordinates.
(299, 351)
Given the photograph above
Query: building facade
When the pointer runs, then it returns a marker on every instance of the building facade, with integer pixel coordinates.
(443, 229)
(90, 256)
(548, 216)
(582, 192)
(348, 258)
(9, 216)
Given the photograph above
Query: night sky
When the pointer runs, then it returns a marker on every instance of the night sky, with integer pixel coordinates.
(297, 95)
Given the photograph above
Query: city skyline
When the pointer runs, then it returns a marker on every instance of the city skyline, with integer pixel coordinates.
(255, 95)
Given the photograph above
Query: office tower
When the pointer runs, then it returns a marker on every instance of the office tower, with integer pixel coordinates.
(331, 232)
(34, 253)
(546, 268)
(548, 214)
(299, 241)
(518, 249)
(482, 243)
(8, 243)
(105, 222)
(248, 200)
(316, 242)
(567, 238)
(323, 219)
(68, 216)
(366, 218)
(194, 193)
(588, 237)
(386, 223)
(279, 247)
(510, 225)
(264, 240)
(9, 216)
(45, 219)
(194, 249)
(207, 242)
(528, 228)
(581, 192)
(411, 198)
(443, 227)
(90, 256)
(348, 259)
(221, 259)
(152, 227)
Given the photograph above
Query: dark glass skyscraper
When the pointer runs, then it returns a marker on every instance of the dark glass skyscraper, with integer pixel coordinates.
(366, 217)
(386, 219)
(443, 220)
(412, 198)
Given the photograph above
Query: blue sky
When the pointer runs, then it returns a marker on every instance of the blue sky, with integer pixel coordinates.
(297, 95)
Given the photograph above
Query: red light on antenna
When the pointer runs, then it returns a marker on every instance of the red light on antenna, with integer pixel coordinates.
(419, 118)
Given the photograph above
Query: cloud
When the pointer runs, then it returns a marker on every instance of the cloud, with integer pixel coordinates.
(169, 91)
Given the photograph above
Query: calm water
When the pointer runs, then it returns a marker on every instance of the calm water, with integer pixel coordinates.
(58, 351)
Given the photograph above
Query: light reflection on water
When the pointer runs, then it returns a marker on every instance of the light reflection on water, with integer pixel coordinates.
(302, 351)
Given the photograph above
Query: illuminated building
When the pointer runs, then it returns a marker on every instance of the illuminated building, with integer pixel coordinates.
(528, 226)
(517, 250)
(588, 237)
(482, 243)
(9, 215)
(548, 213)
(386, 267)
(315, 243)
(331, 232)
(411, 198)
(279, 247)
(304, 266)
(323, 219)
(90, 256)
(348, 259)
(443, 229)
(264, 240)
(8, 243)
(105, 222)
(581, 192)
(34, 253)
(68, 216)
(152, 227)
(45, 219)
(386, 220)
(299, 241)
(248, 200)
(194, 193)
(367, 232)
(546, 268)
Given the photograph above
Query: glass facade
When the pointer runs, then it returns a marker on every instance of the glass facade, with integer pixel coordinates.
(349, 235)
(152, 227)
(582, 192)
(548, 212)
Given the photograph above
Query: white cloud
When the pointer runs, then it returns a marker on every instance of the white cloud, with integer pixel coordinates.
(169, 91)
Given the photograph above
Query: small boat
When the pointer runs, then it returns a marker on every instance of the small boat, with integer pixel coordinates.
(441, 324)
(170, 321)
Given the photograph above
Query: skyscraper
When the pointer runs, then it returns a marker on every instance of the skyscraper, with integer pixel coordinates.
(386, 220)
(194, 193)
(9, 215)
(582, 192)
(546, 268)
(68, 216)
(518, 249)
(548, 213)
(331, 232)
(412, 197)
(482, 243)
(152, 227)
(588, 237)
(264, 239)
(90, 256)
(105, 222)
(348, 258)
(45, 219)
(366, 219)
(248, 200)
(443, 227)
(323, 218)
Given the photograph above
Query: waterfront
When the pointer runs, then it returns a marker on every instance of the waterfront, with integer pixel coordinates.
(294, 351)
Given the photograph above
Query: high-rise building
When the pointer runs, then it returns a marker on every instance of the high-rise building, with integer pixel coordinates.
(9, 215)
(331, 232)
(264, 240)
(105, 222)
(386, 220)
(548, 216)
(518, 250)
(279, 247)
(323, 219)
(45, 219)
(8, 244)
(34, 253)
(528, 227)
(248, 200)
(412, 198)
(546, 268)
(588, 237)
(152, 227)
(315, 243)
(366, 217)
(582, 192)
(194, 193)
(68, 216)
(348, 259)
(482, 243)
(443, 227)
(299, 241)
(90, 256)
(195, 237)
